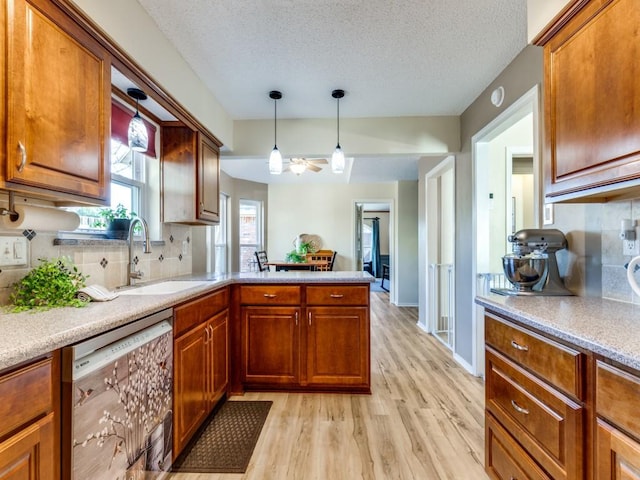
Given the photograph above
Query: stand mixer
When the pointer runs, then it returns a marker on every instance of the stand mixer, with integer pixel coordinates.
(532, 268)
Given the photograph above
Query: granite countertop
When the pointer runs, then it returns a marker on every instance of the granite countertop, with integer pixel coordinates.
(27, 335)
(606, 327)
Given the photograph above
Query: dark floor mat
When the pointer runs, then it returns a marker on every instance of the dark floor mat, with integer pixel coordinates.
(226, 443)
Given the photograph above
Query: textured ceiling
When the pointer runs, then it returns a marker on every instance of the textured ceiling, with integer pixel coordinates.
(393, 58)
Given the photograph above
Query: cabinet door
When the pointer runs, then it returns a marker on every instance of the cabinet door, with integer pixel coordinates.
(191, 400)
(58, 103)
(29, 454)
(219, 327)
(338, 345)
(270, 345)
(208, 180)
(618, 456)
(591, 103)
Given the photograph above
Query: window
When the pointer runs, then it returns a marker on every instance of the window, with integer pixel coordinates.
(220, 239)
(251, 233)
(134, 179)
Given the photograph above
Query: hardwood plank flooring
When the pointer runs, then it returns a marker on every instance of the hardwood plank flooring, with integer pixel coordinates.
(424, 419)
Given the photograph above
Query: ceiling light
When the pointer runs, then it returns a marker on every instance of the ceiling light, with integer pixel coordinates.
(275, 159)
(137, 134)
(297, 168)
(337, 159)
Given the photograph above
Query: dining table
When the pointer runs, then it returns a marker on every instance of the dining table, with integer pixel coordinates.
(312, 265)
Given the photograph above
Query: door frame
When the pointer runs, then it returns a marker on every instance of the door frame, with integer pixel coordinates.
(527, 103)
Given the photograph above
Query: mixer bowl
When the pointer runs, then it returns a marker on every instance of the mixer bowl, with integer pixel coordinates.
(524, 272)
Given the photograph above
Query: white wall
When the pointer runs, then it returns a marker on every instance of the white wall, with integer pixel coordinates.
(327, 211)
(540, 13)
(123, 21)
(405, 256)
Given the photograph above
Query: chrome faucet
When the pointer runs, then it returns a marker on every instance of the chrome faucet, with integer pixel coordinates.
(134, 274)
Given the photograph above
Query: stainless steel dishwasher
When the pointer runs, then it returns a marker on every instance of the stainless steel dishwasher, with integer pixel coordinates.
(116, 402)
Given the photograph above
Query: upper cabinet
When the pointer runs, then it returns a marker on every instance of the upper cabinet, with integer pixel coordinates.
(592, 101)
(190, 176)
(56, 92)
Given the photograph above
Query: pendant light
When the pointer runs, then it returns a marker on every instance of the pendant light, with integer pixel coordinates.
(275, 159)
(137, 134)
(337, 159)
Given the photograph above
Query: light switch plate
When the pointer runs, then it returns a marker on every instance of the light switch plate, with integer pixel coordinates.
(14, 250)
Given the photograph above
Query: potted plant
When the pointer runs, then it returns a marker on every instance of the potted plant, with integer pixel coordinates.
(116, 220)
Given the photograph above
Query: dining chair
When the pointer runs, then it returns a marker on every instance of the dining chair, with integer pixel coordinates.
(261, 259)
(332, 261)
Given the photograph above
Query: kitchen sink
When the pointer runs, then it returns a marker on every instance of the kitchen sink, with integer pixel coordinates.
(163, 288)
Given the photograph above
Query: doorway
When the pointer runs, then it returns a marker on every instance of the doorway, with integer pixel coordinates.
(440, 284)
(507, 195)
(373, 242)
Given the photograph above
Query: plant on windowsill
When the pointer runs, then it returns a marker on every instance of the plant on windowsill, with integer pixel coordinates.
(54, 283)
(116, 220)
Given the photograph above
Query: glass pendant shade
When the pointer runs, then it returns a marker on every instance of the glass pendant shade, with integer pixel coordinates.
(337, 160)
(137, 135)
(275, 161)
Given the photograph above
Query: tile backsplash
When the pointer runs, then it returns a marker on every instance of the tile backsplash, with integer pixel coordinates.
(105, 263)
(614, 274)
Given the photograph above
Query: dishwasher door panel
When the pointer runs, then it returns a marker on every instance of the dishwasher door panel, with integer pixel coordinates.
(121, 414)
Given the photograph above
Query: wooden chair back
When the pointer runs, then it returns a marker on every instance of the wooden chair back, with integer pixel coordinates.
(326, 255)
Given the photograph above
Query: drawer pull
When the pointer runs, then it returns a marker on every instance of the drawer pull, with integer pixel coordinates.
(296, 319)
(336, 295)
(270, 295)
(309, 318)
(23, 157)
(518, 408)
(517, 346)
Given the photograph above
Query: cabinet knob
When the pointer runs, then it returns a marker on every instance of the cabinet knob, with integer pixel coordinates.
(23, 157)
(517, 346)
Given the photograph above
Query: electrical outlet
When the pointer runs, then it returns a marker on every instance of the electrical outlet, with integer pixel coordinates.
(630, 247)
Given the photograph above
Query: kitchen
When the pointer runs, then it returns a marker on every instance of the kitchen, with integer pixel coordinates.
(585, 223)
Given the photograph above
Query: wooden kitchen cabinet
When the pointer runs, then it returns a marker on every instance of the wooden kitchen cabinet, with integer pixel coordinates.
(201, 365)
(29, 430)
(56, 85)
(190, 176)
(618, 423)
(271, 346)
(592, 106)
(305, 337)
(338, 350)
(534, 404)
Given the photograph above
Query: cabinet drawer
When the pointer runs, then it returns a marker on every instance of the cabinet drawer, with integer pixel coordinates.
(270, 294)
(618, 397)
(505, 459)
(338, 295)
(26, 394)
(559, 365)
(190, 314)
(545, 422)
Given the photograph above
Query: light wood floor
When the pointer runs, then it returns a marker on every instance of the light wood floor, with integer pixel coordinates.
(424, 419)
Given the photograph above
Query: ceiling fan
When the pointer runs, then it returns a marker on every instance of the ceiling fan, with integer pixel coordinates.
(298, 165)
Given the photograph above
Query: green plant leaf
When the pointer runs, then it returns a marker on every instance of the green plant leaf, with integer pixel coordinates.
(53, 283)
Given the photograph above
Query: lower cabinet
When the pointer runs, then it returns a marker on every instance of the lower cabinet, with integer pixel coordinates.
(29, 425)
(271, 346)
(305, 338)
(201, 370)
(618, 423)
(533, 429)
(337, 346)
